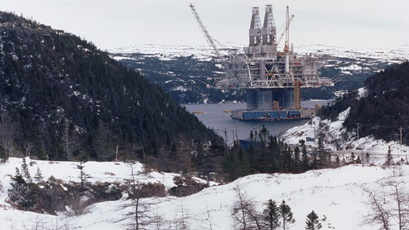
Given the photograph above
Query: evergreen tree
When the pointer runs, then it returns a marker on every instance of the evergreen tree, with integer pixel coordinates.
(288, 162)
(22, 192)
(337, 161)
(367, 157)
(389, 160)
(271, 215)
(26, 172)
(323, 156)
(297, 160)
(305, 161)
(352, 160)
(312, 222)
(83, 176)
(17, 182)
(67, 140)
(245, 165)
(286, 215)
(314, 164)
(101, 144)
(263, 135)
(231, 162)
(38, 177)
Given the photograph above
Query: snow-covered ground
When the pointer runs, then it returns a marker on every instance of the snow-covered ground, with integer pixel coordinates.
(336, 139)
(335, 193)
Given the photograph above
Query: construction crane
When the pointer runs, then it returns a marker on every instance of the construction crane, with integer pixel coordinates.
(211, 42)
(285, 31)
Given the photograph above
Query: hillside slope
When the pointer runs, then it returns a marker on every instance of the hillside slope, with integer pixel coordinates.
(66, 99)
(336, 194)
(380, 108)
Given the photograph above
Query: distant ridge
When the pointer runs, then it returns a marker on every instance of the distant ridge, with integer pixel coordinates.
(189, 73)
(204, 52)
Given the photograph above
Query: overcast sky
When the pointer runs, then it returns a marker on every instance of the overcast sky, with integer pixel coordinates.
(118, 23)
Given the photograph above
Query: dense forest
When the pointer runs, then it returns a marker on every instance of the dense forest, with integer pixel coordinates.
(383, 111)
(264, 153)
(62, 98)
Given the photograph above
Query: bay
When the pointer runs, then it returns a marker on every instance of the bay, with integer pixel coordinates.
(217, 117)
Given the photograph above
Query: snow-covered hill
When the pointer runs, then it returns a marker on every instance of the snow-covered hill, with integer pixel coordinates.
(338, 141)
(166, 52)
(169, 52)
(336, 193)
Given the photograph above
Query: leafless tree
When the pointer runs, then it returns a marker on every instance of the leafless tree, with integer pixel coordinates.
(380, 214)
(399, 193)
(182, 160)
(58, 225)
(27, 148)
(244, 213)
(136, 204)
(181, 217)
(140, 215)
(389, 205)
(158, 222)
(8, 130)
(209, 217)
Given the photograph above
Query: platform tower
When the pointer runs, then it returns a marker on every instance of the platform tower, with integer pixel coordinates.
(272, 79)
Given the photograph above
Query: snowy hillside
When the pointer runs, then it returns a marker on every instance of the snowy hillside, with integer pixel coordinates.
(339, 142)
(392, 55)
(166, 52)
(335, 193)
(169, 52)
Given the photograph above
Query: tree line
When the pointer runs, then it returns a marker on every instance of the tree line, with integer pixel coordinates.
(267, 154)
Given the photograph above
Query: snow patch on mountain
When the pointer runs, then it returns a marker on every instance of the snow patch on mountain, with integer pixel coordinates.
(362, 92)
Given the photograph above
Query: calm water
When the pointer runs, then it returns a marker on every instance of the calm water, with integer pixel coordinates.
(214, 117)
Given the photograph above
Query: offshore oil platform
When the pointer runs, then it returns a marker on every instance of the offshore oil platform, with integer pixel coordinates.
(272, 79)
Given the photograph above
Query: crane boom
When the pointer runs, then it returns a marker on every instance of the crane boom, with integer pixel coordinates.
(285, 30)
(211, 42)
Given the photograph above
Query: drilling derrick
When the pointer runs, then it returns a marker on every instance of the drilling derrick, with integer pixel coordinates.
(272, 79)
(255, 29)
